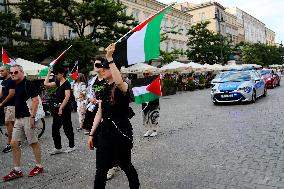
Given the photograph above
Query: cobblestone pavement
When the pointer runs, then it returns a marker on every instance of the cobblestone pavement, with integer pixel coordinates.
(199, 145)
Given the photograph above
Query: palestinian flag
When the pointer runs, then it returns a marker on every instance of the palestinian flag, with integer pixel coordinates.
(6, 59)
(60, 56)
(142, 43)
(147, 89)
(44, 71)
(74, 75)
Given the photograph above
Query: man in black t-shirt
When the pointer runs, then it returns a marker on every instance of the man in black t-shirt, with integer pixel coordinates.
(8, 103)
(25, 124)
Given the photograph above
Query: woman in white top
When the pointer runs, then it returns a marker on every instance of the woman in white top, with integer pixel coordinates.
(79, 87)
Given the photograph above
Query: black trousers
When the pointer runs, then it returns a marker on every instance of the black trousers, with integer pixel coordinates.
(58, 121)
(89, 119)
(108, 157)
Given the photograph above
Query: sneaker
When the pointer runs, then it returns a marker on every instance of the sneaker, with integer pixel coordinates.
(36, 170)
(7, 148)
(79, 129)
(68, 150)
(154, 134)
(56, 151)
(13, 175)
(111, 172)
(147, 133)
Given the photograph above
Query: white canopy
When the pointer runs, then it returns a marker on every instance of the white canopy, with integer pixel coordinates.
(30, 68)
(139, 68)
(175, 66)
(233, 67)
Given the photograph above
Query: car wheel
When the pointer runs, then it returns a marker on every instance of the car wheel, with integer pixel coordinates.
(253, 98)
(265, 92)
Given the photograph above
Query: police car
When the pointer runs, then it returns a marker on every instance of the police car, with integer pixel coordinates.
(240, 86)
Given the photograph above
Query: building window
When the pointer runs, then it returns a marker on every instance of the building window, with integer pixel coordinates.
(25, 28)
(135, 14)
(48, 30)
(72, 34)
(165, 24)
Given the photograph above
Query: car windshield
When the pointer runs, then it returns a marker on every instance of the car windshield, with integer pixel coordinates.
(237, 77)
(222, 75)
(264, 72)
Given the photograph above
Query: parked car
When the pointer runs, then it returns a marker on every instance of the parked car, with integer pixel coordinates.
(241, 86)
(271, 78)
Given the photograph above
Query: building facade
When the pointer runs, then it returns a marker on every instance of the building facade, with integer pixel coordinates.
(270, 36)
(234, 23)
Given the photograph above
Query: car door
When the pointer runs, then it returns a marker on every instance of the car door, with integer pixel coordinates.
(259, 83)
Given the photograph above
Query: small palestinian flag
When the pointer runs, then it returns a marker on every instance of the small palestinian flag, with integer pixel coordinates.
(74, 75)
(142, 43)
(6, 59)
(44, 71)
(147, 89)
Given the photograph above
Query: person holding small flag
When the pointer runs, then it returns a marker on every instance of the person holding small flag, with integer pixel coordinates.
(62, 115)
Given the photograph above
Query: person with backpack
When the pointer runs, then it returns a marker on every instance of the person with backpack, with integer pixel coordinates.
(62, 113)
(25, 123)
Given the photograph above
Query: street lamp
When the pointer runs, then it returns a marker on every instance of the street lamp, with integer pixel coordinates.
(219, 20)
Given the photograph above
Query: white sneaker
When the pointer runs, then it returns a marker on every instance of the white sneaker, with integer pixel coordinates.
(147, 133)
(68, 150)
(56, 151)
(111, 172)
(154, 134)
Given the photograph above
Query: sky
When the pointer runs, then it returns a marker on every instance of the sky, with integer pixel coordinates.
(270, 12)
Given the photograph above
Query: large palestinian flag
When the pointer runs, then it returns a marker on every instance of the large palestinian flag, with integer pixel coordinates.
(142, 43)
(147, 89)
(6, 59)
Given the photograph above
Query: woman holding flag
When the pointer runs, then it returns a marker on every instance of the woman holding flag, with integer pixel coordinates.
(115, 137)
(62, 115)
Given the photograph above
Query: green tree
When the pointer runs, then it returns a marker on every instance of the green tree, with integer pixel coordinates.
(262, 54)
(206, 46)
(9, 23)
(106, 19)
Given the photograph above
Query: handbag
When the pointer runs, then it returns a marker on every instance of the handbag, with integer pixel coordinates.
(40, 112)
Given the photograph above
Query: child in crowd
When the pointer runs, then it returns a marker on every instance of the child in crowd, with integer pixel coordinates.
(82, 109)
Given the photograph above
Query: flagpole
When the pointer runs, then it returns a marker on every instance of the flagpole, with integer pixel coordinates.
(54, 61)
(143, 22)
(74, 66)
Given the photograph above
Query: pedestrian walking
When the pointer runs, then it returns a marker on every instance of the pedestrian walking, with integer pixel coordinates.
(115, 137)
(8, 102)
(62, 113)
(150, 114)
(78, 88)
(95, 86)
(25, 123)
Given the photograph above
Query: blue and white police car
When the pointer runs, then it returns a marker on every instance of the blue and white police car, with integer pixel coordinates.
(239, 86)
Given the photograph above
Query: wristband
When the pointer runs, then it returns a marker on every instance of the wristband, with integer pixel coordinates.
(91, 135)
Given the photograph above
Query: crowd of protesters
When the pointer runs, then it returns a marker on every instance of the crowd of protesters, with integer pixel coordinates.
(102, 107)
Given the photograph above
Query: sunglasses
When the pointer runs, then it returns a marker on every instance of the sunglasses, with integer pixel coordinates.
(15, 73)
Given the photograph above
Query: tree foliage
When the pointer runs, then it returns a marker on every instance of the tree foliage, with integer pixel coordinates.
(106, 19)
(262, 54)
(96, 23)
(9, 23)
(205, 46)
